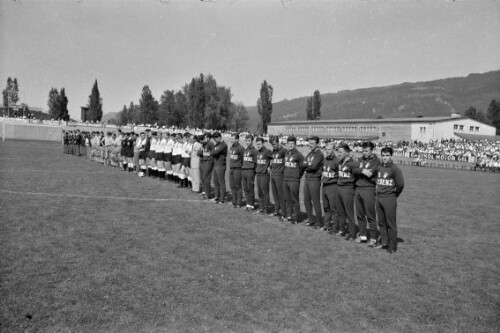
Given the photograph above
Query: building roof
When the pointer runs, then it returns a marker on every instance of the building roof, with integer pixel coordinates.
(367, 120)
(478, 136)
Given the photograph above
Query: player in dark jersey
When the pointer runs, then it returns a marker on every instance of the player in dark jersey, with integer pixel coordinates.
(365, 194)
(345, 193)
(248, 172)
(329, 179)
(264, 156)
(390, 184)
(294, 169)
(236, 152)
(313, 165)
(277, 167)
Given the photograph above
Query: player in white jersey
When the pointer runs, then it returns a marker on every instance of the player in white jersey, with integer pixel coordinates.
(153, 169)
(108, 148)
(168, 155)
(177, 157)
(160, 155)
(141, 146)
(185, 159)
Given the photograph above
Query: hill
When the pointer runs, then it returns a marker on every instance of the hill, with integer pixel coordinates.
(430, 98)
(110, 116)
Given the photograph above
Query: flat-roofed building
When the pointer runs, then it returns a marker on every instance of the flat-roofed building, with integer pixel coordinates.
(388, 129)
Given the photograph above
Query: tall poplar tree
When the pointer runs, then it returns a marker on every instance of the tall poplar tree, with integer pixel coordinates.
(265, 105)
(95, 104)
(63, 105)
(309, 109)
(316, 105)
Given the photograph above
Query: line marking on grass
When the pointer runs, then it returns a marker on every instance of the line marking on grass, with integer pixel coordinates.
(65, 195)
(58, 171)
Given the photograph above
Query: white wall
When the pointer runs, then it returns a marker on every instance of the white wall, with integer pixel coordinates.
(425, 131)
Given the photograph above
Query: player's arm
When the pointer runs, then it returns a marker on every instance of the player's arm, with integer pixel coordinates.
(399, 180)
(315, 164)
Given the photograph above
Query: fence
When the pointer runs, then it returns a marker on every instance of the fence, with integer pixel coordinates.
(25, 131)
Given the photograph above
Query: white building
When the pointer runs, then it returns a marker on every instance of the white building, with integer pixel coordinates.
(389, 129)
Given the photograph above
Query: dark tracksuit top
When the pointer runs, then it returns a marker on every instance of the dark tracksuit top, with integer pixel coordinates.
(294, 166)
(219, 153)
(236, 153)
(248, 173)
(278, 161)
(312, 188)
(263, 158)
(294, 169)
(365, 195)
(390, 184)
(236, 156)
(277, 169)
(345, 195)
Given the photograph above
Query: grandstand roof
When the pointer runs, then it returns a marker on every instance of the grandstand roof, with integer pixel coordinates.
(478, 137)
(368, 120)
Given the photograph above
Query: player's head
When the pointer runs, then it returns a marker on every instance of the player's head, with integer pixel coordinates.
(313, 142)
(386, 154)
(249, 140)
(217, 137)
(368, 147)
(235, 137)
(291, 142)
(330, 149)
(259, 143)
(275, 142)
(344, 149)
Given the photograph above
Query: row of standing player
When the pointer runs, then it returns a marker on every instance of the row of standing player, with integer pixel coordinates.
(367, 188)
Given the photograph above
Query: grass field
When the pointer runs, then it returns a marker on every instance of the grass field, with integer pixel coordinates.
(87, 248)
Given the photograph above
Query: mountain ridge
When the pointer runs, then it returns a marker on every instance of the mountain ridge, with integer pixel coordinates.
(408, 99)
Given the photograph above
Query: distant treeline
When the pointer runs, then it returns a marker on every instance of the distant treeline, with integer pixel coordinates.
(200, 104)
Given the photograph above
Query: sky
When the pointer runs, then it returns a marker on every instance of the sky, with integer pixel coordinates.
(298, 46)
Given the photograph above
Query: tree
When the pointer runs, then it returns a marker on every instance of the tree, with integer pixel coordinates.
(180, 109)
(63, 105)
(11, 93)
(14, 92)
(53, 103)
(473, 113)
(166, 110)
(148, 107)
(265, 105)
(95, 104)
(316, 105)
(239, 117)
(309, 109)
(124, 115)
(493, 115)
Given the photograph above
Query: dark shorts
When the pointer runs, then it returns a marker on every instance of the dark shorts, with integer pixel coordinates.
(176, 159)
(129, 152)
(168, 157)
(142, 155)
(152, 154)
(186, 161)
(160, 156)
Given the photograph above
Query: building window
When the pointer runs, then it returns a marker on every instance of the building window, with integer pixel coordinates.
(461, 127)
(422, 130)
(471, 128)
(455, 126)
(383, 133)
(477, 129)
